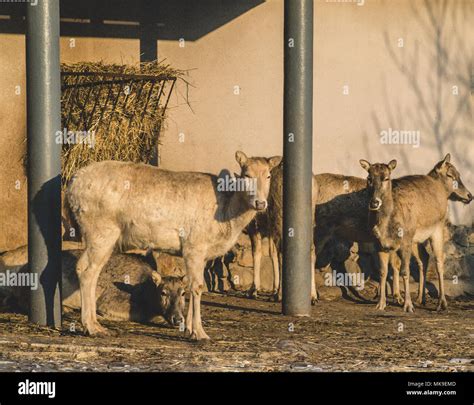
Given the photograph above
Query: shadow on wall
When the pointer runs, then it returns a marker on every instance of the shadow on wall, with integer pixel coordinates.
(442, 111)
(147, 20)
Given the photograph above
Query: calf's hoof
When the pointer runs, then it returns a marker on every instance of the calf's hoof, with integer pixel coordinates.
(314, 300)
(420, 301)
(198, 335)
(381, 305)
(399, 299)
(96, 329)
(276, 297)
(408, 307)
(442, 305)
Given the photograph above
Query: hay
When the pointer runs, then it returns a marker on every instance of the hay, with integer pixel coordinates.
(107, 114)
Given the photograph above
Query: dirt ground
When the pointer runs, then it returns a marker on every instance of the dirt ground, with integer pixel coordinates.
(249, 335)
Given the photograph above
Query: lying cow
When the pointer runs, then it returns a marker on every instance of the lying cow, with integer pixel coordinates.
(128, 289)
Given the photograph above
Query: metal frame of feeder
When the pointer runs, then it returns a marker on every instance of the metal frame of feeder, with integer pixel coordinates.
(115, 79)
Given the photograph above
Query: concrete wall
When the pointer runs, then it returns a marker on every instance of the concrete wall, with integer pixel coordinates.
(12, 142)
(13, 196)
(355, 46)
(407, 87)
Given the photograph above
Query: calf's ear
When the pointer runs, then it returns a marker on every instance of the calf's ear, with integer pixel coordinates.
(241, 158)
(274, 161)
(156, 277)
(442, 163)
(392, 164)
(365, 164)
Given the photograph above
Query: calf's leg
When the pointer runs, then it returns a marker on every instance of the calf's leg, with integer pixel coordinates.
(195, 272)
(418, 252)
(405, 255)
(383, 261)
(256, 241)
(437, 241)
(99, 246)
(314, 292)
(395, 263)
(276, 266)
(277, 295)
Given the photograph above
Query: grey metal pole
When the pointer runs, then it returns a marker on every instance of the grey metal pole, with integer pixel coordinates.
(297, 152)
(44, 160)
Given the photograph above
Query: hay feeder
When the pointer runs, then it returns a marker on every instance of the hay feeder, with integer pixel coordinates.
(112, 112)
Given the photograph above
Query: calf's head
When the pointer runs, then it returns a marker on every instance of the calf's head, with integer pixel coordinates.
(170, 293)
(448, 174)
(379, 183)
(255, 172)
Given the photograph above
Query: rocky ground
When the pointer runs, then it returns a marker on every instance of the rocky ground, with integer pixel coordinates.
(344, 332)
(247, 335)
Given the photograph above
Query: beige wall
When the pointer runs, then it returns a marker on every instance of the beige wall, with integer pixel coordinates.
(247, 53)
(12, 142)
(350, 49)
(13, 214)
